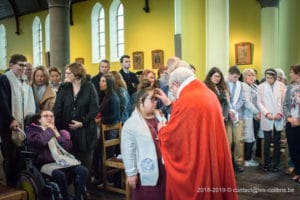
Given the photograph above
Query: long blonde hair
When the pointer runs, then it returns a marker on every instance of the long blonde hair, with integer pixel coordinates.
(119, 81)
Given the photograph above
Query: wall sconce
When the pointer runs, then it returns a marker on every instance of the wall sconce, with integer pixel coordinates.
(146, 8)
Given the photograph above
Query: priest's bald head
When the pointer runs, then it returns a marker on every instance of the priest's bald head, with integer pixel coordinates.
(171, 63)
(178, 76)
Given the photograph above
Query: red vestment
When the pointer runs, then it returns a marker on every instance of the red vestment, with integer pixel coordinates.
(195, 149)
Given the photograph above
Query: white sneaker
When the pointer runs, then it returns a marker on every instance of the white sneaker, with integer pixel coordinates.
(251, 163)
(254, 162)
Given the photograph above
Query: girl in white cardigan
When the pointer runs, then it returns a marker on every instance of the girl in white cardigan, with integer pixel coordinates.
(270, 102)
(140, 149)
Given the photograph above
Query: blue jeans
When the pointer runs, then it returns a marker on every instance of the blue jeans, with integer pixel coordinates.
(78, 174)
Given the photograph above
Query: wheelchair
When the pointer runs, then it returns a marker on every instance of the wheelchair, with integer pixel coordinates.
(30, 179)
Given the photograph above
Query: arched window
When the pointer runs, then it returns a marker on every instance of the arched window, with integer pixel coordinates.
(3, 47)
(47, 33)
(37, 39)
(120, 30)
(98, 33)
(116, 30)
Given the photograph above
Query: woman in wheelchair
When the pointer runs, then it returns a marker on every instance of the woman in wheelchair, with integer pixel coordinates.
(40, 138)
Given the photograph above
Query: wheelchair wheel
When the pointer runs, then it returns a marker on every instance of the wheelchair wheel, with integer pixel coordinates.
(28, 182)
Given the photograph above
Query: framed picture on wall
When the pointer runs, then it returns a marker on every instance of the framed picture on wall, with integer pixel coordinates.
(79, 60)
(138, 60)
(157, 59)
(243, 54)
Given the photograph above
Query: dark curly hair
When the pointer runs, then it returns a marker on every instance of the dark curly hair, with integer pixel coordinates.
(143, 91)
(221, 85)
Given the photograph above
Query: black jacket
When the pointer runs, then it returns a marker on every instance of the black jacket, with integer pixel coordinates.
(95, 80)
(131, 81)
(110, 109)
(83, 108)
(5, 105)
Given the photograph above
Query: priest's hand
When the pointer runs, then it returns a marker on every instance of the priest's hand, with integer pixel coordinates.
(132, 181)
(163, 97)
(160, 125)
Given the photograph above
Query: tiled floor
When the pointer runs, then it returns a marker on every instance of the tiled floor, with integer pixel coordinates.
(259, 185)
(253, 183)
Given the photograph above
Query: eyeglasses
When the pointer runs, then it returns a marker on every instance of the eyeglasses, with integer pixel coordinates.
(152, 99)
(46, 116)
(22, 64)
(68, 73)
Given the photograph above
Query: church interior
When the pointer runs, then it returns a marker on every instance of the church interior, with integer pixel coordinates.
(257, 34)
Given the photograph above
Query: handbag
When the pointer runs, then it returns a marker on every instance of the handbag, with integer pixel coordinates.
(18, 137)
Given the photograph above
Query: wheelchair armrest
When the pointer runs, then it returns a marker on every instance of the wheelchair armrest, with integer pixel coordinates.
(28, 154)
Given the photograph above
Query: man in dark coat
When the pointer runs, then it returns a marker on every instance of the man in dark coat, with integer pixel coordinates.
(129, 77)
(104, 67)
(16, 100)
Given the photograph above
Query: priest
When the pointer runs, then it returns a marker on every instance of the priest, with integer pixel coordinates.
(193, 142)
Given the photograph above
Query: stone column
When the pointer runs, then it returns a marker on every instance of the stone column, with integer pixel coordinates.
(289, 40)
(217, 34)
(269, 34)
(59, 12)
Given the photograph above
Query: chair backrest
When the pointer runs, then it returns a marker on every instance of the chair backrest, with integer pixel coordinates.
(112, 165)
(107, 141)
(29, 119)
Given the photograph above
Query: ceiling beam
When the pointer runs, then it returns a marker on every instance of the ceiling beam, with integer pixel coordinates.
(15, 10)
(39, 3)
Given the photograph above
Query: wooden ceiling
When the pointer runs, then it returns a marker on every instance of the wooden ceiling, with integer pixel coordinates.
(16, 8)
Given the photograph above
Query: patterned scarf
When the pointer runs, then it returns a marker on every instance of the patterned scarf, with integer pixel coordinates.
(22, 99)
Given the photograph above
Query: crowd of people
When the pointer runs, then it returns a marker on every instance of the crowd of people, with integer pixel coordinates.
(179, 134)
(254, 110)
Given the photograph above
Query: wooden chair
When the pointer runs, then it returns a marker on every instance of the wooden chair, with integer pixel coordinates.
(8, 193)
(112, 165)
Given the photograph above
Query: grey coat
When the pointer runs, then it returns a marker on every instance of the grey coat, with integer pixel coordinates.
(249, 110)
